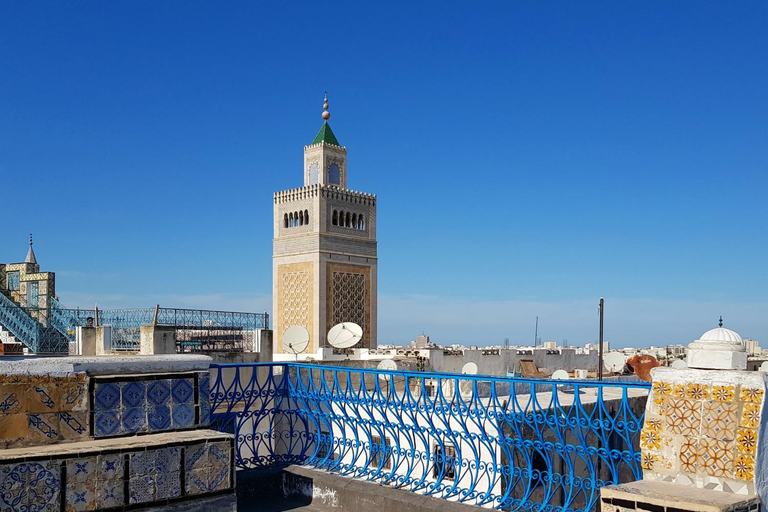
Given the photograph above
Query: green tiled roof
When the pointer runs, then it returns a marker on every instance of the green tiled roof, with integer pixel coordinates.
(326, 135)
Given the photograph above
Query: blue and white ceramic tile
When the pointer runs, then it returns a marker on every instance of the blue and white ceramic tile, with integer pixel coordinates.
(73, 425)
(44, 427)
(106, 423)
(106, 396)
(182, 391)
(80, 498)
(142, 489)
(205, 414)
(168, 460)
(158, 392)
(159, 418)
(218, 479)
(10, 401)
(134, 420)
(134, 393)
(168, 485)
(42, 397)
(204, 386)
(80, 470)
(182, 416)
(42, 484)
(142, 463)
(111, 466)
(110, 493)
(196, 482)
(196, 457)
(218, 453)
(74, 397)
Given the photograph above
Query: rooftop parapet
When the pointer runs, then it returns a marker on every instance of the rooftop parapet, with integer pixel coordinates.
(326, 191)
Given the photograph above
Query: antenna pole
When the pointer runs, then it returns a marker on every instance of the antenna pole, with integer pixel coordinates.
(536, 332)
(600, 348)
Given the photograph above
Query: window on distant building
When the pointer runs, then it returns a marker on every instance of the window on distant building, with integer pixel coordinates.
(334, 175)
(445, 463)
(13, 281)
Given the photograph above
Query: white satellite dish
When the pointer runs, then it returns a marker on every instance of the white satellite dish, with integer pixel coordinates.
(764, 367)
(295, 340)
(614, 362)
(560, 375)
(679, 364)
(345, 335)
(469, 369)
(387, 365)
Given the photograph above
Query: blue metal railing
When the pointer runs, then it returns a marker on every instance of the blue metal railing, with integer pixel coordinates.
(19, 323)
(519, 444)
(126, 323)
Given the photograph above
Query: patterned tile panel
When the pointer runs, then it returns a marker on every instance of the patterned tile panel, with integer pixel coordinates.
(701, 428)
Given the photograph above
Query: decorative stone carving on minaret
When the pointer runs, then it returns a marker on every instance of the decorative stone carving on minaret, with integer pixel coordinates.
(324, 249)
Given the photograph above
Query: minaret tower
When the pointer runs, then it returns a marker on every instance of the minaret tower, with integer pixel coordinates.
(324, 259)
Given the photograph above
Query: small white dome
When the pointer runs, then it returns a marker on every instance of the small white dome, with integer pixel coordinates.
(721, 335)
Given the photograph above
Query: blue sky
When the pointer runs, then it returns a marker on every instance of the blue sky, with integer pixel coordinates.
(528, 157)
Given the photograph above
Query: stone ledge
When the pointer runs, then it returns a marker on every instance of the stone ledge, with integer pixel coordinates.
(99, 365)
(655, 496)
(119, 443)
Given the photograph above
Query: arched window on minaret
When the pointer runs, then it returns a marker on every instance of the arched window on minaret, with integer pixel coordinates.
(306, 217)
(286, 220)
(348, 222)
(313, 174)
(354, 220)
(335, 218)
(301, 218)
(334, 175)
(290, 220)
(362, 223)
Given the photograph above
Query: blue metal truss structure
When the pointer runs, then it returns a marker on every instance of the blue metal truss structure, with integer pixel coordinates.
(503, 443)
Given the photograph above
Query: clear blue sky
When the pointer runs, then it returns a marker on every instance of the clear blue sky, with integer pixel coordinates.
(528, 157)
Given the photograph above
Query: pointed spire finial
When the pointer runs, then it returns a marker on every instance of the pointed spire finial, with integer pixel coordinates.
(326, 114)
(721, 320)
(30, 253)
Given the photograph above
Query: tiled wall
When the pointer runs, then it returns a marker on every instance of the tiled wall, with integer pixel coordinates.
(150, 403)
(38, 410)
(105, 480)
(701, 428)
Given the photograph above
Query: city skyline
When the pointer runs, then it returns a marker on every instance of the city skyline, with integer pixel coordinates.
(527, 160)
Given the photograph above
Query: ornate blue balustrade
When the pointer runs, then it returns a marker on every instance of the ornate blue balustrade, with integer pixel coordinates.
(504, 443)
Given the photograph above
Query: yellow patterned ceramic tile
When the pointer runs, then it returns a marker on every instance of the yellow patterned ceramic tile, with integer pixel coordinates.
(683, 417)
(746, 440)
(718, 420)
(662, 388)
(754, 395)
(744, 467)
(649, 460)
(653, 424)
(716, 457)
(689, 455)
(723, 393)
(678, 391)
(696, 391)
(750, 415)
(650, 440)
(658, 406)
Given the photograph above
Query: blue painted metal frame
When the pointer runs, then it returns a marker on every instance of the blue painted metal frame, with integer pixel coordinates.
(519, 444)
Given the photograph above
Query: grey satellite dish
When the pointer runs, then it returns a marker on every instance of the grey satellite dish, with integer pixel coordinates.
(345, 335)
(560, 375)
(295, 340)
(387, 365)
(679, 364)
(614, 362)
(469, 369)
